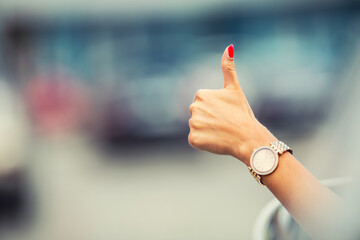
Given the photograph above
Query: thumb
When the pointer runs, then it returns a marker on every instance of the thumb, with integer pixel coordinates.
(228, 68)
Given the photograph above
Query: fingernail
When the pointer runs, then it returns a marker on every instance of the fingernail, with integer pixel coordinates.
(231, 51)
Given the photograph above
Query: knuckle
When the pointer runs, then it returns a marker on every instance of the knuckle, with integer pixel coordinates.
(192, 108)
(190, 139)
(193, 141)
(200, 94)
(228, 66)
(193, 123)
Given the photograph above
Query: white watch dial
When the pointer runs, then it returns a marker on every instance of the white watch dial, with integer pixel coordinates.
(264, 160)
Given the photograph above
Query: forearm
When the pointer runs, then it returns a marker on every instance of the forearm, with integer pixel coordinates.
(311, 203)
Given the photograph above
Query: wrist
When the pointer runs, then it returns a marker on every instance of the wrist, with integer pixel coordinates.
(259, 136)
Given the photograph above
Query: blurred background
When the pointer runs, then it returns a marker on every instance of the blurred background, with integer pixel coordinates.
(94, 100)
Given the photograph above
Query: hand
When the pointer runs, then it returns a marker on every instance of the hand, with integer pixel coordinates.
(222, 120)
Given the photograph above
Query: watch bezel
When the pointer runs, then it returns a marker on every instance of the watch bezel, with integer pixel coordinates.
(272, 168)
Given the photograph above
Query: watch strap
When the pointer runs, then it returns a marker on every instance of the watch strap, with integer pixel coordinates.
(256, 176)
(280, 147)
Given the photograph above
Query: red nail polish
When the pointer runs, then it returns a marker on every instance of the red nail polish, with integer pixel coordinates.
(231, 51)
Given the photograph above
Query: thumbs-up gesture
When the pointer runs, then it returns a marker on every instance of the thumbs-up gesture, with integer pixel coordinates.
(222, 121)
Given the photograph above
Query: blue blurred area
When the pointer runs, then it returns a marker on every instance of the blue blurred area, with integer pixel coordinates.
(139, 72)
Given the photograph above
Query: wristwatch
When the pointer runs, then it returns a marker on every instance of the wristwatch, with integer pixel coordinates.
(265, 159)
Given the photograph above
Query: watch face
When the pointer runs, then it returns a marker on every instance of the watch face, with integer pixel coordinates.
(264, 160)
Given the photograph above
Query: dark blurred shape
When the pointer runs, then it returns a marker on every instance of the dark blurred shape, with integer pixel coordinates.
(14, 197)
(14, 200)
(18, 50)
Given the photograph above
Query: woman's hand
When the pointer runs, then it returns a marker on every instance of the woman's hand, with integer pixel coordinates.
(222, 120)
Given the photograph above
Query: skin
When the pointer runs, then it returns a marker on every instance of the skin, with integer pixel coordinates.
(222, 122)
